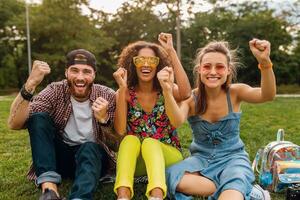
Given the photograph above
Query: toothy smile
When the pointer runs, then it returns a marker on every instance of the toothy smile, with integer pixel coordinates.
(213, 78)
(79, 84)
(146, 70)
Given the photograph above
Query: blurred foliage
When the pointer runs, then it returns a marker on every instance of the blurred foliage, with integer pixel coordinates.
(60, 26)
(288, 89)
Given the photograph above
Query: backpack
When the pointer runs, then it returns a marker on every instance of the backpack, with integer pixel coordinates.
(279, 164)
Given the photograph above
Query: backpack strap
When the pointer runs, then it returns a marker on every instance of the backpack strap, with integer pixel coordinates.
(259, 154)
(280, 135)
(255, 162)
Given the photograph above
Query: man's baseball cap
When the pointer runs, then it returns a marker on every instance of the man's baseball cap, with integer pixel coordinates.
(81, 56)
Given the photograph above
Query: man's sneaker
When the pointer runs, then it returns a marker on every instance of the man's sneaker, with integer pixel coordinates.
(257, 193)
(49, 195)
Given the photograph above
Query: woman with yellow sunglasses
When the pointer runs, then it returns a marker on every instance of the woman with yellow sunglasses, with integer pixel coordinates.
(151, 143)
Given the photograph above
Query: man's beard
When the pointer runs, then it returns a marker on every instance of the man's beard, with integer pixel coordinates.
(83, 95)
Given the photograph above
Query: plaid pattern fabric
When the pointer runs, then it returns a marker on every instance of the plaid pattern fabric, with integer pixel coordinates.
(55, 100)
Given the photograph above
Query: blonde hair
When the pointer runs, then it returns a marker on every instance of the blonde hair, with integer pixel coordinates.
(232, 61)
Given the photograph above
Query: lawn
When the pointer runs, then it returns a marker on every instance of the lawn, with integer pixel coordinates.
(259, 125)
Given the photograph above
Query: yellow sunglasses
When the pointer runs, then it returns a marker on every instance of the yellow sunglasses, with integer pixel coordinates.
(140, 61)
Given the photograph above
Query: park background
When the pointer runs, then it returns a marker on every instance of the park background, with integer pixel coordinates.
(58, 26)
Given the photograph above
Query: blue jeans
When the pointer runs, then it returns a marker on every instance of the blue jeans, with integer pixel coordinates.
(53, 159)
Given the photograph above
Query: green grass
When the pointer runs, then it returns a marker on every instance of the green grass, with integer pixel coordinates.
(259, 125)
(288, 89)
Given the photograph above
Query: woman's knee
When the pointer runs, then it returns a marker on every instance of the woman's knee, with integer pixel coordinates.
(193, 183)
(149, 143)
(130, 143)
(130, 139)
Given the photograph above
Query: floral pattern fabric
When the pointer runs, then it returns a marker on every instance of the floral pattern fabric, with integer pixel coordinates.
(155, 124)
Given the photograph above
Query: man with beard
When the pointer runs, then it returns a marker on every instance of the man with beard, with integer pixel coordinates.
(70, 126)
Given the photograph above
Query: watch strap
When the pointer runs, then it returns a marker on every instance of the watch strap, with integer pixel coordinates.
(25, 94)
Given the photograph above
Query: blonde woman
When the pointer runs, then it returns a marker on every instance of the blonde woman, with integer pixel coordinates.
(219, 166)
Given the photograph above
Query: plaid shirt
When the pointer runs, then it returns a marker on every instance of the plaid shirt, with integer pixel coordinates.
(55, 99)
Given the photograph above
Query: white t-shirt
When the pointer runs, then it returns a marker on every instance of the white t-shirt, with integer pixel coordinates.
(79, 128)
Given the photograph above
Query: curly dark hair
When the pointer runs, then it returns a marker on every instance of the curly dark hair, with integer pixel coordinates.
(126, 61)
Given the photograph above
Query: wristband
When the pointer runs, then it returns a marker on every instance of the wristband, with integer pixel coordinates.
(25, 94)
(268, 66)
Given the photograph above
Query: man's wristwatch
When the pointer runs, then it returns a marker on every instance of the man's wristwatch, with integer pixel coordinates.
(25, 94)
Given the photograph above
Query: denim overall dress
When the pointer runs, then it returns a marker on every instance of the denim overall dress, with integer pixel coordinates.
(218, 153)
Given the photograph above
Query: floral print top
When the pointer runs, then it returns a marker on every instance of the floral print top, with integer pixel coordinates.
(155, 124)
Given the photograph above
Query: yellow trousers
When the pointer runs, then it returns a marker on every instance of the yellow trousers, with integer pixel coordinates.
(150, 157)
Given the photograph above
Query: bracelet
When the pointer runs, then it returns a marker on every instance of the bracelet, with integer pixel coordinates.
(268, 66)
(25, 94)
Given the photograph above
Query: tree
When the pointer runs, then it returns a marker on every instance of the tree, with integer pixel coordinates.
(174, 15)
(238, 24)
(295, 64)
(60, 26)
(11, 42)
(133, 21)
(56, 28)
